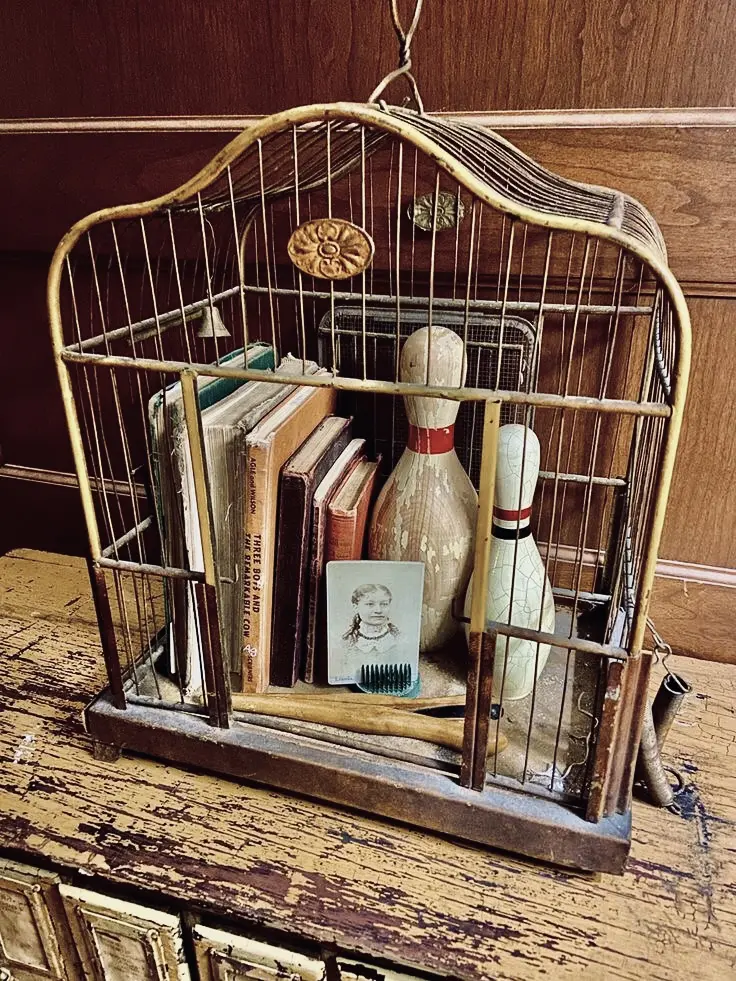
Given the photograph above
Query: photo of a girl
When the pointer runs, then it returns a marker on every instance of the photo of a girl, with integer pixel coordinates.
(371, 630)
(374, 613)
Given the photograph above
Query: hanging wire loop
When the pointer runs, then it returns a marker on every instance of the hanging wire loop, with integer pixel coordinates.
(404, 69)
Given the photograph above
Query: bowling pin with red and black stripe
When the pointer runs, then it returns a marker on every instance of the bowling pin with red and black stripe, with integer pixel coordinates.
(519, 590)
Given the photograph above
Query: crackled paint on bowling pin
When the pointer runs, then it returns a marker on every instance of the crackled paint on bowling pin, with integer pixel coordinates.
(427, 509)
(513, 545)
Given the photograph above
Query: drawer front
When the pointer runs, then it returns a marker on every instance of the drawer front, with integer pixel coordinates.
(34, 941)
(223, 956)
(119, 941)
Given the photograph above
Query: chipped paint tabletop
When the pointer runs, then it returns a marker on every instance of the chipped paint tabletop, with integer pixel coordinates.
(276, 861)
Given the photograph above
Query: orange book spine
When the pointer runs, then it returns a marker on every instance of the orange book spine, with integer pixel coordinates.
(264, 460)
(254, 669)
(346, 529)
(342, 538)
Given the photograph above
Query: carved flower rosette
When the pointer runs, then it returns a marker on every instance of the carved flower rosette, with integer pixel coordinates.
(331, 248)
(450, 211)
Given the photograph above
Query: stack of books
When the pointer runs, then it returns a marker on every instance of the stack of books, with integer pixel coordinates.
(290, 489)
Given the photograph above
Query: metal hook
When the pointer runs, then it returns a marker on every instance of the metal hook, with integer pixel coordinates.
(660, 645)
(405, 39)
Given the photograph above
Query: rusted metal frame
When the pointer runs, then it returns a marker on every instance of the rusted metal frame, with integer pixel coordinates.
(605, 569)
(195, 438)
(148, 701)
(61, 478)
(399, 124)
(107, 633)
(478, 698)
(207, 273)
(607, 747)
(562, 593)
(127, 537)
(645, 511)
(167, 572)
(216, 678)
(136, 382)
(629, 736)
(484, 701)
(432, 257)
(497, 817)
(604, 759)
(612, 333)
(581, 478)
(194, 310)
(609, 789)
(469, 344)
(683, 330)
(640, 501)
(545, 400)
(661, 368)
(594, 733)
(670, 438)
(557, 640)
(643, 504)
(208, 605)
(619, 562)
(606, 572)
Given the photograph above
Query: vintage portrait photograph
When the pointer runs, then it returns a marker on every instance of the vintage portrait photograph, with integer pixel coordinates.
(373, 617)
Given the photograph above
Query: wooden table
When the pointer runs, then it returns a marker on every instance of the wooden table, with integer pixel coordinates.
(288, 864)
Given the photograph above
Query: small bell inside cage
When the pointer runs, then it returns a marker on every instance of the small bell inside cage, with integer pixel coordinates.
(374, 421)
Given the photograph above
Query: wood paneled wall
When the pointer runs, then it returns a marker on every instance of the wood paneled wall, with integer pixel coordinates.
(164, 57)
(683, 175)
(253, 57)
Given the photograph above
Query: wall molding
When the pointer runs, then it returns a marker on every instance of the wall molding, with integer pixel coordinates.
(710, 575)
(709, 117)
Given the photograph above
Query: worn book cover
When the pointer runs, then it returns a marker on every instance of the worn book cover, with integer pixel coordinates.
(345, 532)
(268, 447)
(347, 514)
(338, 473)
(299, 478)
(225, 425)
(167, 440)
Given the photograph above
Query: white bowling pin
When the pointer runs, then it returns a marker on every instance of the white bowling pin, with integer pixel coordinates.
(515, 562)
(426, 511)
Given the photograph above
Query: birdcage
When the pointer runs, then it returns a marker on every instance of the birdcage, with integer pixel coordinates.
(333, 233)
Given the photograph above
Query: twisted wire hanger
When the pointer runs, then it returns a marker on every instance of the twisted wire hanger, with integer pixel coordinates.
(405, 39)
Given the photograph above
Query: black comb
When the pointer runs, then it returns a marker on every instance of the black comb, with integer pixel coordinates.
(386, 679)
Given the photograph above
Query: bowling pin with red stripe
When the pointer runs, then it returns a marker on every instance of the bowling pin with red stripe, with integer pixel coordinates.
(517, 581)
(427, 509)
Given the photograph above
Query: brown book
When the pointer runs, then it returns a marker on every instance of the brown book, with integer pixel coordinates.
(268, 447)
(300, 477)
(338, 473)
(347, 514)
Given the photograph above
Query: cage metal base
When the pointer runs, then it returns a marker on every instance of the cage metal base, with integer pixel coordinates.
(430, 799)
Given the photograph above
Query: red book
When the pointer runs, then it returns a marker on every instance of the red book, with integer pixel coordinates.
(347, 513)
(347, 517)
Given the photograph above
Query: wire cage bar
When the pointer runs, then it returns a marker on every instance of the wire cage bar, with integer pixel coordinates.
(572, 328)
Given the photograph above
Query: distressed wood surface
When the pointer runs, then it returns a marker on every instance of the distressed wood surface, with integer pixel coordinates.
(280, 862)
